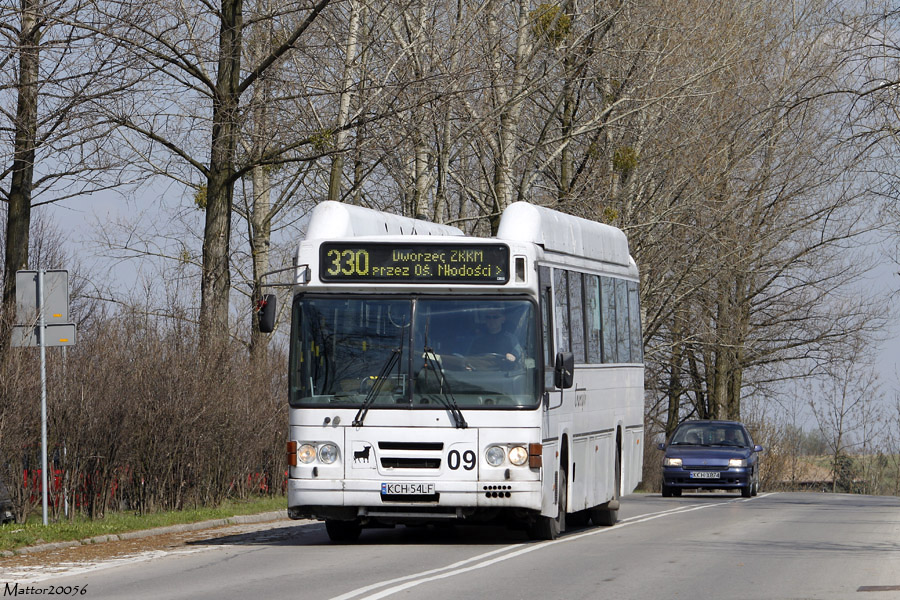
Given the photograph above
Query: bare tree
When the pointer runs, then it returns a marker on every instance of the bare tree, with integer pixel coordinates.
(845, 409)
(53, 70)
(769, 228)
(209, 90)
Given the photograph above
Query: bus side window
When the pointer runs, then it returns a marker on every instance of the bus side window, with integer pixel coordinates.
(608, 314)
(546, 301)
(561, 308)
(634, 319)
(592, 318)
(576, 316)
(623, 335)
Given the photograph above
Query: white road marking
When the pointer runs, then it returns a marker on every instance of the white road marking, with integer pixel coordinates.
(38, 573)
(513, 551)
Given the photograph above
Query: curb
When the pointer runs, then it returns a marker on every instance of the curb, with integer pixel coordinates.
(145, 533)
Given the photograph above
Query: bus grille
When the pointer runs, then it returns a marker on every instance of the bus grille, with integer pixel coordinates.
(411, 455)
(423, 446)
(390, 462)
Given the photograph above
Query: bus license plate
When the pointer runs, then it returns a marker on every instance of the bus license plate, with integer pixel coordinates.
(704, 475)
(407, 489)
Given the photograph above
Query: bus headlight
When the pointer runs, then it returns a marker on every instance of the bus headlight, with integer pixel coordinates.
(518, 455)
(306, 453)
(494, 456)
(328, 453)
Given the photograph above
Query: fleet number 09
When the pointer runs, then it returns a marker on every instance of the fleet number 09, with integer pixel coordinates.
(348, 262)
(466, 460)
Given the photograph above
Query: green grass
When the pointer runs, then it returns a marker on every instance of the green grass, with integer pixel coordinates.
(17, 535)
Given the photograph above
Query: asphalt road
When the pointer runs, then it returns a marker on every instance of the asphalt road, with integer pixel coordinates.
(773, 546)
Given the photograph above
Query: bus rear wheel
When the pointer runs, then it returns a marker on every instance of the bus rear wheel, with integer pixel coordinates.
(342, 531)
(607, 515)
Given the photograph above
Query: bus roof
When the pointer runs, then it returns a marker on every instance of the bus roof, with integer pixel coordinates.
(335, 220)
(556, 232)
(566, 234)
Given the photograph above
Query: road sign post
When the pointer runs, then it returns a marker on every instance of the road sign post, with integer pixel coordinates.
(42, 310)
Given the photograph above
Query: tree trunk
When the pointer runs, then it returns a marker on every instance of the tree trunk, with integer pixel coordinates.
(18, 222)
(566, 165)
(260, 241)
(675, 387)
(421, 179)
(721, 367)
(216, 280)
(337, 164)
(508, 97)
(443, 170)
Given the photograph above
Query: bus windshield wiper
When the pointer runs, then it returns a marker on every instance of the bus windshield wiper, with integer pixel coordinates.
(445, 396)
(388, 366)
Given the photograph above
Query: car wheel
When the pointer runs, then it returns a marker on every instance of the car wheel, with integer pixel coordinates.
(342, 531)
(666, 491)
(755, 490)
(747, 490)
(549, 528)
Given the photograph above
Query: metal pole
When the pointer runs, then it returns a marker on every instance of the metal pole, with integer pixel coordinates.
(41, 324)
(65, 450)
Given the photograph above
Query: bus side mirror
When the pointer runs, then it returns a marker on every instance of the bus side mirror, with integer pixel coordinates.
(564, 371)
(266, 310)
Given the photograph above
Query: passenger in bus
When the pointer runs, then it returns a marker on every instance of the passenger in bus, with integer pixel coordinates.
(494, 339)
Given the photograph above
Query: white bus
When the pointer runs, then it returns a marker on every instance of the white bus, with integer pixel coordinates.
(436, 377)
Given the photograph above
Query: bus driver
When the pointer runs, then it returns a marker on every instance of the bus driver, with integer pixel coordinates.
(494, 339)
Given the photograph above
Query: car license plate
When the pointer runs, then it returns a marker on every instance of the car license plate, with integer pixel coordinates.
(704, 475)
(407, 489)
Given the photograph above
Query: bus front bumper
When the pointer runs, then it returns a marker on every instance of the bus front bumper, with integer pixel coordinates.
(368, 494)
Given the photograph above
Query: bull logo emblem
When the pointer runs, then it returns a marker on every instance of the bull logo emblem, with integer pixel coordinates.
(362, 455)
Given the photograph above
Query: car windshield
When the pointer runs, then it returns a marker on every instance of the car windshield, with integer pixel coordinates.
(710, 434)
(414, 353)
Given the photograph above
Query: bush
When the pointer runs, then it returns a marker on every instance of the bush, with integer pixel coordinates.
(140, 419)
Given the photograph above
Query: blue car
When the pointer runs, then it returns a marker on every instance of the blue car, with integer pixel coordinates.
(717, 455)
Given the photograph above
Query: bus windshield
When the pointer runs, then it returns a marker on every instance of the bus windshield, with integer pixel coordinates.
(414, 353)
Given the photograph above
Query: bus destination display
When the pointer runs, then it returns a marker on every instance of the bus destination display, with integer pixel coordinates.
(414, 263)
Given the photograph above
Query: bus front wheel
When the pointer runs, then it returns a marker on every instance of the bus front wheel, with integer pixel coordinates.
(549, 528)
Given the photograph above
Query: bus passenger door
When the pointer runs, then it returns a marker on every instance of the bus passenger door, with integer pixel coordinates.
(559, 372)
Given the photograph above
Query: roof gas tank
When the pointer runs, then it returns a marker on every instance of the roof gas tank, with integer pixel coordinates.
(564, 233)
(335, 220)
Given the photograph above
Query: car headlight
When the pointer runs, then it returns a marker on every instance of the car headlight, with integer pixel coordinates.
(518, 455)
(671, 462)
(494, 456)
(737, 462)
(306, 453)
(328, 453)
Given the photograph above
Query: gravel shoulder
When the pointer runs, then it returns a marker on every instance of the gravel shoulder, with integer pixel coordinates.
(46, 560)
